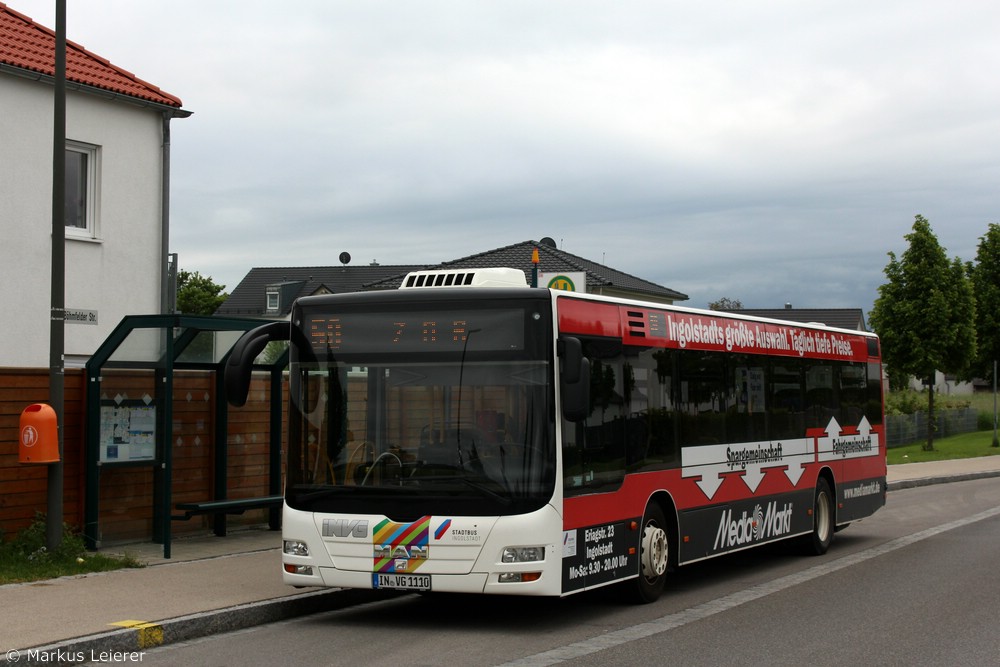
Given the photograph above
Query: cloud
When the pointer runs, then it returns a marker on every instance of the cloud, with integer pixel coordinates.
(769, 152)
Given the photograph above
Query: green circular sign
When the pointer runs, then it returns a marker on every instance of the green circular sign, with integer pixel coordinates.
(562, 282)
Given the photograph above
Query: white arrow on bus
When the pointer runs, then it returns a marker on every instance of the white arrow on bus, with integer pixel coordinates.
(836, 446)
(753, 477)
(709, 484)
(798, 453)
(748, 459)
(706, 462)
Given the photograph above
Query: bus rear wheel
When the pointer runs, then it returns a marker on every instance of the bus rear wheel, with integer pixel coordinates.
(819, 540)
(654, 552)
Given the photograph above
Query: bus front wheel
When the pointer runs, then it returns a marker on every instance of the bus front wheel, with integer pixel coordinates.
(654, 551)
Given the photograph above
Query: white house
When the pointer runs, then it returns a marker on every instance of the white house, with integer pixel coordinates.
(117, 194)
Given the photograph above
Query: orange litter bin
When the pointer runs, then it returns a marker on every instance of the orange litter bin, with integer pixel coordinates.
(39, 441)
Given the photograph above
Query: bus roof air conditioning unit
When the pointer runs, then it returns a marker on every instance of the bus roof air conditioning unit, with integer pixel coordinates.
(498, 277)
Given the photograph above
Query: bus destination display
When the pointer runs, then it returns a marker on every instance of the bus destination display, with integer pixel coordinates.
(425, 331)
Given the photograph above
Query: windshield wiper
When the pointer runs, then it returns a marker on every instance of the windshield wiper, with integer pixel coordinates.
(473, 482)
(479, 486)
(318, 494)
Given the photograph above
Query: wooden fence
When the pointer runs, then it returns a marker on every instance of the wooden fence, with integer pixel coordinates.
(23, 488)
(126, 492)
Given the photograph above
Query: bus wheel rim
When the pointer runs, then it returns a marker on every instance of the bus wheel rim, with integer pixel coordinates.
(654, 551)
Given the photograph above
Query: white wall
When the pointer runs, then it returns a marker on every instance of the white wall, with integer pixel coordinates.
(942, 385)
(118, 273)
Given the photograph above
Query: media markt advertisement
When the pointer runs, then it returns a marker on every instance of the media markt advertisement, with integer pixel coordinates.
(599, 554)
(738, 525)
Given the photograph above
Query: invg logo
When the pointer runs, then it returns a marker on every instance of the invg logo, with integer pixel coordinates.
(345, 528)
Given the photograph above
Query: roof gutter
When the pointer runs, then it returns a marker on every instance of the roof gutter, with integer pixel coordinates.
(175, 112)
(166, 275)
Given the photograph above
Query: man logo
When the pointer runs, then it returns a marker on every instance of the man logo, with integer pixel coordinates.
(400, 552)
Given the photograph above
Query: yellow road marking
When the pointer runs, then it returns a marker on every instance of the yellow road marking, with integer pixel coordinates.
(149, 635)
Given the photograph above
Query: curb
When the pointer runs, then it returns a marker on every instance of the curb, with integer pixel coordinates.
(128, 643)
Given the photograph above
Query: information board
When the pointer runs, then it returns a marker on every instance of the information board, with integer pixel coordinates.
(128, 432)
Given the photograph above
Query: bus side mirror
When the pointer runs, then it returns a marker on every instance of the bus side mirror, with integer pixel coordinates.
(575, 380)
(239, 366)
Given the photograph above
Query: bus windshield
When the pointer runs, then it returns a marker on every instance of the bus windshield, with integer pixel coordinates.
(414, 412)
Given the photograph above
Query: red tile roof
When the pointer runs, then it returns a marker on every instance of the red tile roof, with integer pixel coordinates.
(27, 45)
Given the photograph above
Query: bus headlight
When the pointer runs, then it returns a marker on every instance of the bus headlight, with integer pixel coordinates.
(522, 554)
(296, 548)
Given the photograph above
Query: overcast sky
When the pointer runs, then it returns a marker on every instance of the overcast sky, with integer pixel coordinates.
(770, 152)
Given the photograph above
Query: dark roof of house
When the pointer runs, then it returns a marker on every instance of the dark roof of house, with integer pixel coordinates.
(553, 260)
(31, 47)
(841, 318)
(248, 298)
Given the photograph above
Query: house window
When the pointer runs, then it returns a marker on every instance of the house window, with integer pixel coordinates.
(272, 301)
(82, 174)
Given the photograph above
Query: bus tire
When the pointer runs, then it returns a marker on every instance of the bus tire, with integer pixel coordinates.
(818, 541)
(654, 554)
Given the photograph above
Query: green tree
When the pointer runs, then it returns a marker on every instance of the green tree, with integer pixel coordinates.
(925, 314)
(985, 277)
(725, 303)
(198, 294)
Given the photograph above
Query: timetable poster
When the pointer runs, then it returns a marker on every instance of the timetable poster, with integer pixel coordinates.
(128, 432)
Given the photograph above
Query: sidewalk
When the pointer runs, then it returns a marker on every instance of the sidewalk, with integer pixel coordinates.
(909, 475)
(214, 585)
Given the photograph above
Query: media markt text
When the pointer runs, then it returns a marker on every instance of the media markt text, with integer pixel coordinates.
(756, 528)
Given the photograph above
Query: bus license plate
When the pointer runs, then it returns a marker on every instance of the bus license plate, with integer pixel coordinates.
(402, 582)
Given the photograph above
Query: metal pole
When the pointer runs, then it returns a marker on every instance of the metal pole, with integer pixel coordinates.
(57, 321)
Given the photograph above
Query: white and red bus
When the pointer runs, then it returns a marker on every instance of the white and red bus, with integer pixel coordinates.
(460, 434)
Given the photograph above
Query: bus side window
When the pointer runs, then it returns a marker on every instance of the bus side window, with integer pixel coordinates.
(873, 399)
(594, 448)
(747, 400)
(651, 428)
(703, 398)
(820, 399)
(786, 402)
(853, 387)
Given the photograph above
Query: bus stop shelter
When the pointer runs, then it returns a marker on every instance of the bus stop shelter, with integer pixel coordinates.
(131, 422)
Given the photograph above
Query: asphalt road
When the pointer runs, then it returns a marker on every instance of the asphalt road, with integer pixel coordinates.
(916, 584)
